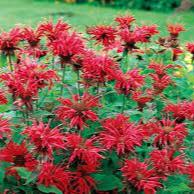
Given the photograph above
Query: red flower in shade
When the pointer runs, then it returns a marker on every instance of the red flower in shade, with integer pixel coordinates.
(9, 41)
(129, 81)
(81, 181)
(160, 82)
(169, 133)
(4, 127)
(120, 134)
(137, 173)
(52, 175)
(68, 47)
(3, 99)
(160, 68)
(190, 171)
(190, 47)
(98, 69)
(175, 29)
(18, 156)
(83, 149)
(44, 138)
(78, 110)
(25, 86)
(105, 35)
(53, 31)
(125, 21)
(165, 163)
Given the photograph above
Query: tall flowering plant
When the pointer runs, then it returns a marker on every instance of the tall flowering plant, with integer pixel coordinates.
(96, 113)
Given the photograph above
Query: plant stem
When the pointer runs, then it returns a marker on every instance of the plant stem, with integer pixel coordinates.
(78, 84)
(124, 103)
(63, 79)
(10, 62)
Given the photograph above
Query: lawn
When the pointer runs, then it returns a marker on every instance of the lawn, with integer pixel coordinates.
(31, 12)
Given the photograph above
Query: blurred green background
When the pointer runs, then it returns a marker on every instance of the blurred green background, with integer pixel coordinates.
(31, 12)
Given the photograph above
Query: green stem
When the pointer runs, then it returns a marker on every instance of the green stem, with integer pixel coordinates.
(10, 62)
(124, 103)
(63, 80)
(78, 84)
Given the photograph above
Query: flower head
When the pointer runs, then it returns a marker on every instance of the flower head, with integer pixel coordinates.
(5, 129)
(190, 47)
(175, 29)
(3, 99)
(125, 21)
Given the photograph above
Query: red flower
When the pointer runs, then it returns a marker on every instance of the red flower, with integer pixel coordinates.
(78, 110)
(81, 181)
(105, 35)
(52, 175)
(18, 156)
(169, 133)
(190, 47)
(160, 68)
(4, 127)
(44, 138)
(176, 52)
(160, 82)
(120, 134)
(9, 41)
(175, 29)
(129, 81)
(3, 99)
(190, 171)
(125, 21)
(83, 149)
(166, 163)
(68, 47)
(53, 31)
(98, 69)
(137, 173)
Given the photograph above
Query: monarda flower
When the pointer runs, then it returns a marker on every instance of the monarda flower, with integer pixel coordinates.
(53, 175)
(139, 176)
(190, 47)
(98, 69)
(166, 163)
(176, 52)
(5, 129)
(127, 82)
(125, 21)
(53, 31)
(44, 138)
(175, 29)
(104, 35)
(18, 156)
(81, 180)
(83, 149)
(78, 110)
(169, 133)
(120, 135)
(190, 171)
(9, 41)
(68, 47)
(3, 99)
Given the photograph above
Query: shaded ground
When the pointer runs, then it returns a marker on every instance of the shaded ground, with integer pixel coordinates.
(79, 16)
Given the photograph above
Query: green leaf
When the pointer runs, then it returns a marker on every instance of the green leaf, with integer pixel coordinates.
(23, 172)
(106, 182)
(53, 189)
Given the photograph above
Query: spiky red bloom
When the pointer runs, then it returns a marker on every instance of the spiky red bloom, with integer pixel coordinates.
(165, 163)
(160, 82)
(126, 82)
(5, 129)
(175, 29)
(3, 99)
(81, 181)
(125, 21)
(18, 156)
(83, 149)
(190, 171)
(160, 68)
(9, 41)
(25, 86)
(78, 110)
(44, 138)
(103, 34)
(189, 110)
(176, 52)
(139, 176)
(120, 135)
(169, 133)
(190, 47)
(98, 69)
(53, 31)
(68, 47)
(52, 175)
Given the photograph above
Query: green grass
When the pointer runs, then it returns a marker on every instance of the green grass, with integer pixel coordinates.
(30, 12)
